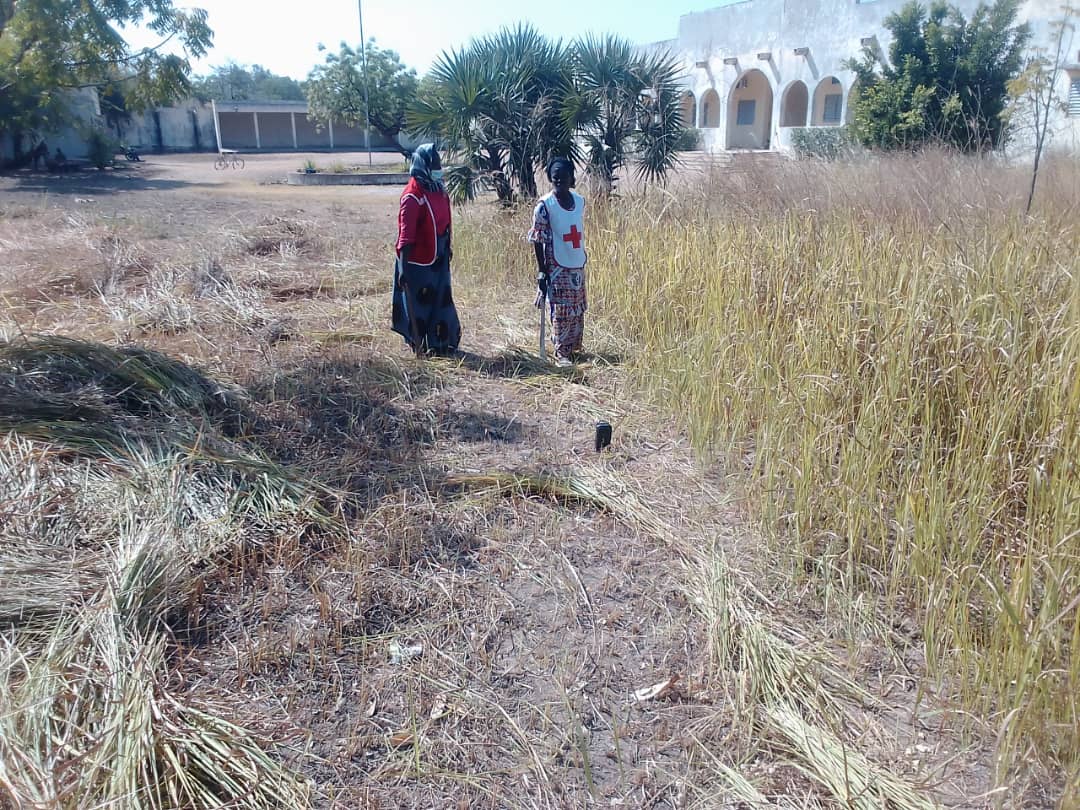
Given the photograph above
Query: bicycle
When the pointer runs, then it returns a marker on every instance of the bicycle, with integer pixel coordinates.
(225, 161)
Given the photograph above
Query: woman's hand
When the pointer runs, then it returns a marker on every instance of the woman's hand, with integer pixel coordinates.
(541, 289)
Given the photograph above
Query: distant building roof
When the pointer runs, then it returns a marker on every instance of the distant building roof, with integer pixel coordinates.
(226, 105)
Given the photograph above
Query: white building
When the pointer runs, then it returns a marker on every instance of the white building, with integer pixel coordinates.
(757, 69)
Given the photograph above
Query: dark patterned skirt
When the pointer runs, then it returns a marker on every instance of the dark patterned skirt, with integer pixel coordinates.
(423, 308)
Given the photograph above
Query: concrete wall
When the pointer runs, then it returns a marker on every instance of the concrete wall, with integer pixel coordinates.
(183, 128)
(71, 139)
(237, 130)
(275, 131)
(186, 128)
(307, 133)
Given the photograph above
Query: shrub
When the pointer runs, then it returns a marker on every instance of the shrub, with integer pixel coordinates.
(100, 148)
(689, 140)
(826, 143)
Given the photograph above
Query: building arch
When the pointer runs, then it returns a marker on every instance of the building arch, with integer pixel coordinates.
(688, 110)
(849, 105)
(710, 109)
(828, 103)
(749, 114)
(794, 105)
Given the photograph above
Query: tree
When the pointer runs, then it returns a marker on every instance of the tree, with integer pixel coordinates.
(233, 82)
(335, 90)
(1035, 92)
(50, 47)
(498, 104)
(945, 80)
(626, 108)
(509, 102)
(114, 106)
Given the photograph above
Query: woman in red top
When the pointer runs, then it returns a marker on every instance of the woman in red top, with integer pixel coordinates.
(423, 309)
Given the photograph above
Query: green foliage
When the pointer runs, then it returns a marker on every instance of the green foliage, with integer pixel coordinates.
(497, 104)
(509, 102)
(462, 183)
(50, 47)
(826, 143)
(945, 80)
(625, 107)
(114, 106)
(335, 90)
(689, 140)
(233, 82)
(100, 148)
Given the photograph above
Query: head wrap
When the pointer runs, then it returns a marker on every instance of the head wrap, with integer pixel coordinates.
(556, 162)
(422, 158)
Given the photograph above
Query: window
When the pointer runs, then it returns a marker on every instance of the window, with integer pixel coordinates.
(744, 116)
(831, 113)
(743, 83)
(1074, 97)
(835, 80)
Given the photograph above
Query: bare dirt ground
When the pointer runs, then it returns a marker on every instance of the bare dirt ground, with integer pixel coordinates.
(462, 646)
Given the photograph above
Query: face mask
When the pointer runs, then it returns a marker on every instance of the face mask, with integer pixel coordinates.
(436, 174)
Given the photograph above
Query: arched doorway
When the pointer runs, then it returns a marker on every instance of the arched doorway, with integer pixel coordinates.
(749, 123)
(688, 110)
(710, 110)
(828, 103)
(849, 107)
(794, 105)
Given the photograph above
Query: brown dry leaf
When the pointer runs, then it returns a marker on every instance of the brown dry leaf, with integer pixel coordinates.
(439, 708)
(370, 710)
(400, 739)
(657, 690)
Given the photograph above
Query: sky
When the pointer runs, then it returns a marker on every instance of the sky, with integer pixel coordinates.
(284, 36)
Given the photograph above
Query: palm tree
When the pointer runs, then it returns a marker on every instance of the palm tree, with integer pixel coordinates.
(508, 103)
(455, 105)
(497, 104)
(624, 107)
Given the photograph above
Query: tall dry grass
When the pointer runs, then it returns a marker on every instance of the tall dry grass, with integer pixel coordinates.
(892, 349)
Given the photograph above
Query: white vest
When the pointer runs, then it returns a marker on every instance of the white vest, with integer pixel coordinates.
(567, 231)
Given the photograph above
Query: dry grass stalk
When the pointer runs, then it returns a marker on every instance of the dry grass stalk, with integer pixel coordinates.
(99, 554)
(893, 348)
(853, 780)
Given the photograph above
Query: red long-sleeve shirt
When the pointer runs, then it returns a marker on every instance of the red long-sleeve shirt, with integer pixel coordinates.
(422, 216)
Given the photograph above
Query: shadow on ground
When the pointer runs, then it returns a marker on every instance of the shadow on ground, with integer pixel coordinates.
(352, 424)
(93, 181)
(517, 363)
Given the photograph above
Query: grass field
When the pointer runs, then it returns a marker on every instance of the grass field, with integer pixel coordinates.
(254, 554)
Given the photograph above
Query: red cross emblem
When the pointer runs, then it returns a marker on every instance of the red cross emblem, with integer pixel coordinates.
(574, 237)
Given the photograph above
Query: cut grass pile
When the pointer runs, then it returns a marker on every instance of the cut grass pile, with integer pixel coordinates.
(121, 493)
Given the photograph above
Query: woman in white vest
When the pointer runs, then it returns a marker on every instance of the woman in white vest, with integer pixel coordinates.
(558, 237)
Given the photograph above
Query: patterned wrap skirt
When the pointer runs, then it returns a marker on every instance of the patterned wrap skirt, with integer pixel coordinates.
(423, 308)
(566, 298)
